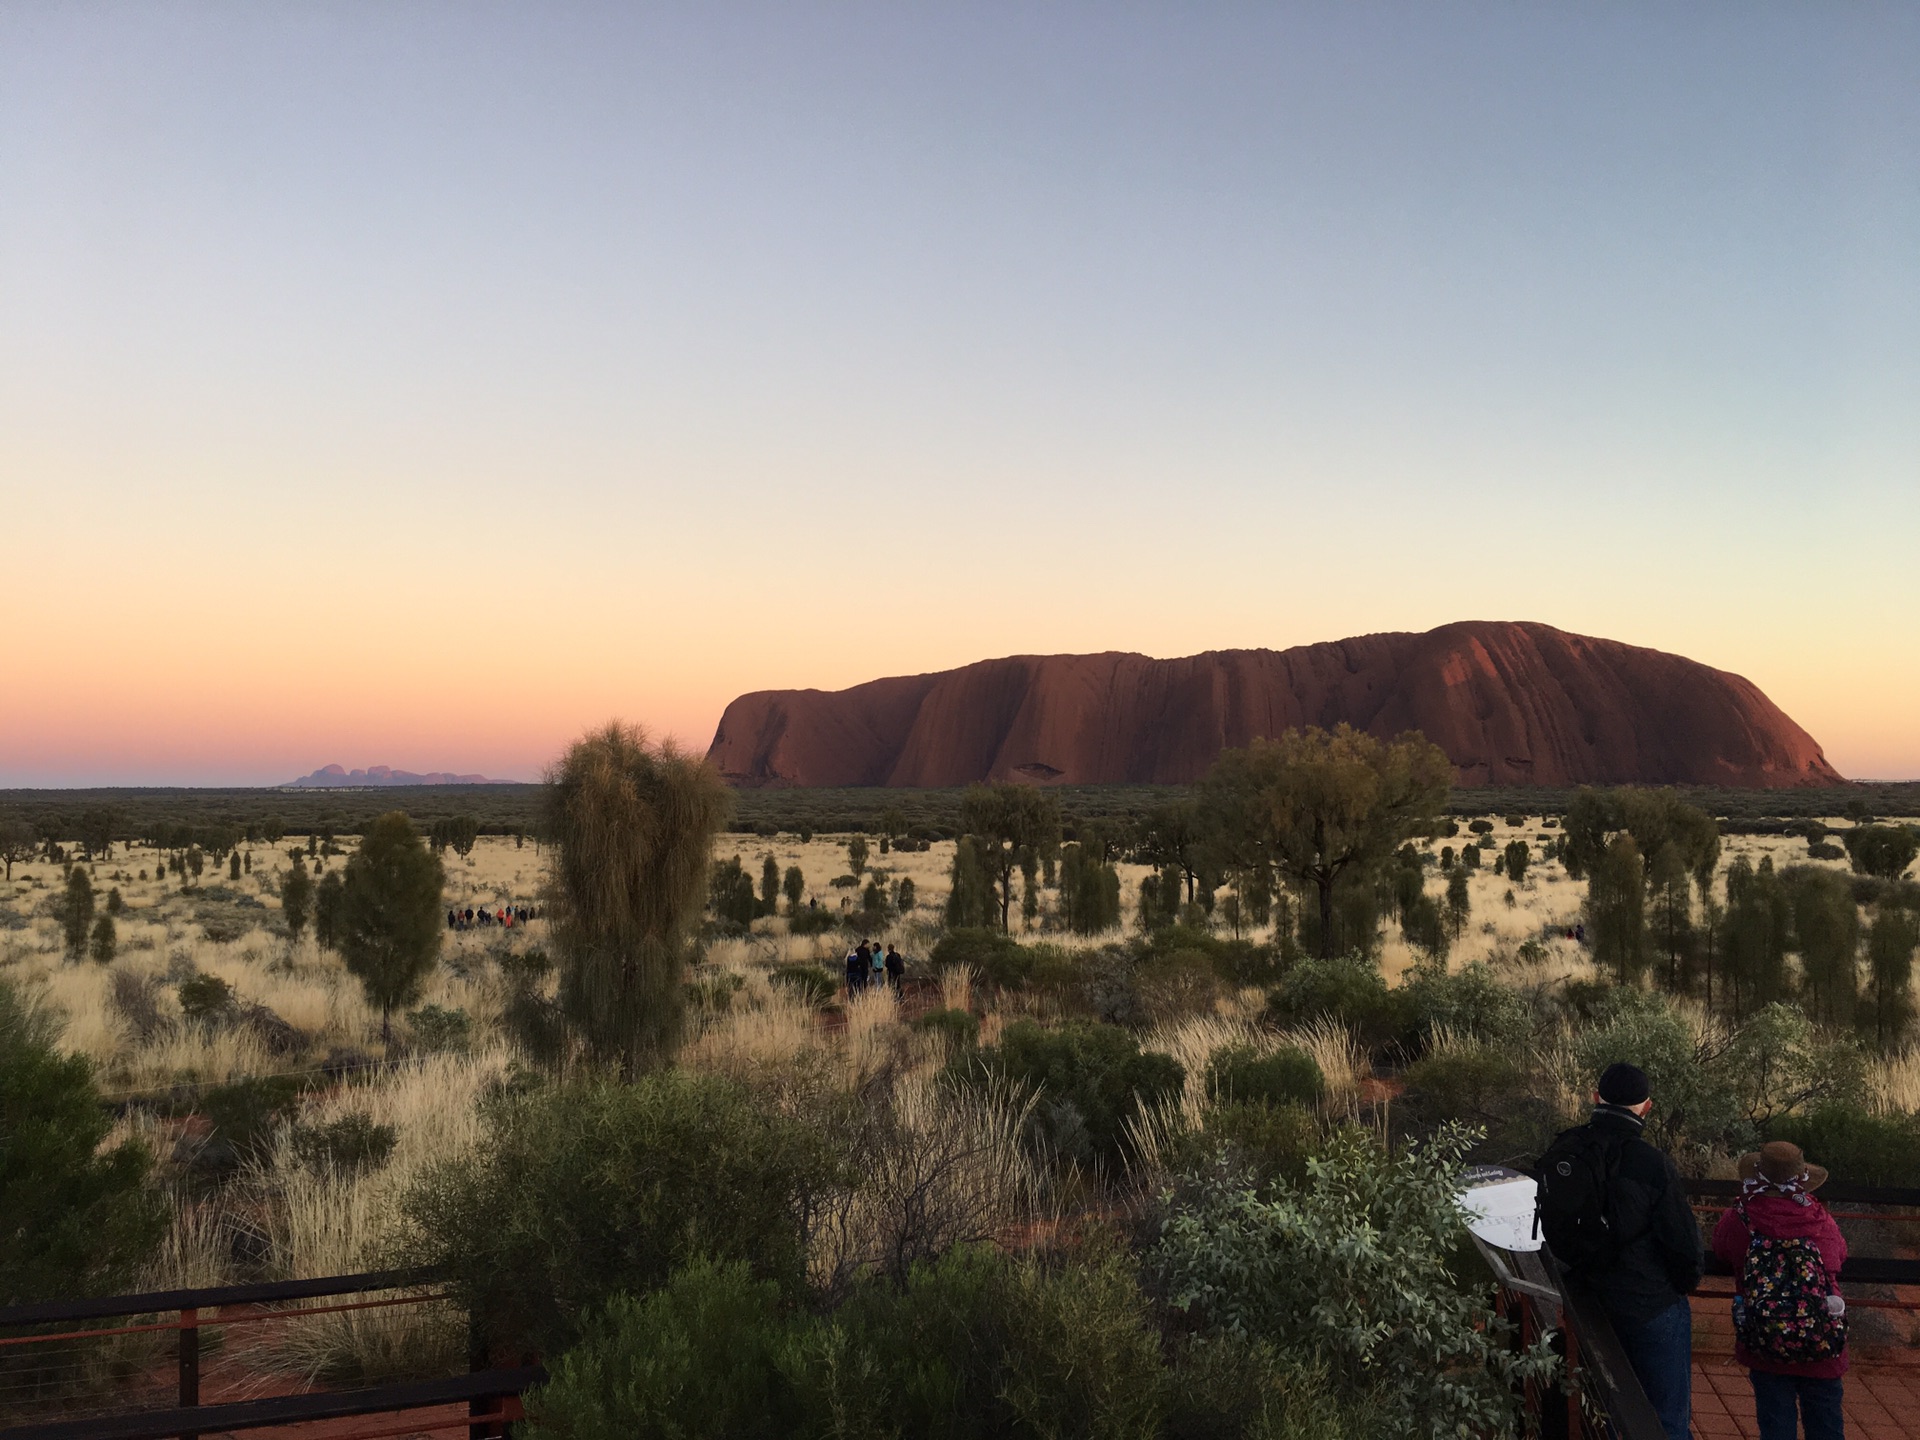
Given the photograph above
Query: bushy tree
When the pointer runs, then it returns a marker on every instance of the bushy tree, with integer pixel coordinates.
(1758, 928)
(1007, 823)
(1882, 850)
(78, 1220)
(769, 885)
(730, 894)
(18, 841)
(326, 909)
(1518, 856)
(76, 911)
(1617, 910)
(1891, 941)
(1826, 926)
(632, 824)
(296, 899)
(1089, 890)
(1315, 805)
(857, 851)
(794, 884)
(388, 919)
(105, 940)
(970, 897)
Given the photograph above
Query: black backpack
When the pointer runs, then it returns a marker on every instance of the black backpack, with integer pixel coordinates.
(1574, 1208)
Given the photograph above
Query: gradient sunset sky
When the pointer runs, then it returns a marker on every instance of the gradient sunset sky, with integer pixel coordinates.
(420, 384)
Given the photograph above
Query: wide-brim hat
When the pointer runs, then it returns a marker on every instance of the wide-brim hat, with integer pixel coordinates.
(1781, 1161)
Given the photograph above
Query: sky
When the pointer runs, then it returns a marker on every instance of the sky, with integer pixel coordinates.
(423, 384)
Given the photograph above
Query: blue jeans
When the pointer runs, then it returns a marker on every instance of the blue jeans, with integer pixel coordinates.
(1661, 1353)
(1774, 1401)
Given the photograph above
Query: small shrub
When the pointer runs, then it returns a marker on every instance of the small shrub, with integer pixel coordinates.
(1347, 989)
(959, 1028)
(595, 1188)
(1469, 1003)
(435, 1027)
(1286, 1076)
(1262, 1141)
(348, 1146)
(244, 1116)
(205, 998)
(1090, 1080)
(812, 922)
(1480, 827)
(810, 984)
(998, 959)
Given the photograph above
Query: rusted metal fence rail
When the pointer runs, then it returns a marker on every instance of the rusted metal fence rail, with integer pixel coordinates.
(44, 1364)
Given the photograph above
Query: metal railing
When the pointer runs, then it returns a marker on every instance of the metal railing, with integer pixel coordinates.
(38, 1340)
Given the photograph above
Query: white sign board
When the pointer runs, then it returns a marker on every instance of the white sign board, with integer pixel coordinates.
(1499, 1205)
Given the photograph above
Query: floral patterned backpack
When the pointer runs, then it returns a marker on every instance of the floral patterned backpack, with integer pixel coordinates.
(1783, 1314)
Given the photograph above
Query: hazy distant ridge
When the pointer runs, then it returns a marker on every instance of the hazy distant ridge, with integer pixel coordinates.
(338, 777)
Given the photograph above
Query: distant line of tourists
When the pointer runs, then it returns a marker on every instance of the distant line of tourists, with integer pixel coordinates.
(505, 916)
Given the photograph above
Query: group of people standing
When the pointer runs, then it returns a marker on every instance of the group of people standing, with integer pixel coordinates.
(1644, 1256)
(867, 966)
(505, 916)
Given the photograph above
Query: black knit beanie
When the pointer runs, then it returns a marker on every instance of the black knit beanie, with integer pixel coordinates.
(1623, 1084)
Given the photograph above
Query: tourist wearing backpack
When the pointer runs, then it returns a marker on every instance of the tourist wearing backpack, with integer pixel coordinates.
(1613, 1212)
(1790, 1327)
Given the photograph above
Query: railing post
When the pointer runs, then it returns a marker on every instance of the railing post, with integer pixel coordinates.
(189, 1364)
(477, 1356)
(1572, 1358)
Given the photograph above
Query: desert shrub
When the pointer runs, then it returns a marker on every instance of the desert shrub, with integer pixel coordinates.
(959, 1028)
(1468, 1003)
(1176, 982)
(79, 1220)
(135, 998)
(1351, 1266)
(1347, 989)
(348, 1146)
(594, 1188)
(1089, 1079)
(810, 984)
(1859, 1147)
(436, 1027)
(1260, 1142)
(1286, 1076)
(974, 1345)
(812, 922)
(205, 997)
(244, 1115)
(1824, 850)
(1480, 827)
(1777, 1062)
(1231, 1387)
(698, 1359)
(1002, 961)
(1694, 1106)
(1237, 962)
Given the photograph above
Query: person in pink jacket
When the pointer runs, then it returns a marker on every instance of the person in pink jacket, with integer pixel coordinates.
(1785, 1252)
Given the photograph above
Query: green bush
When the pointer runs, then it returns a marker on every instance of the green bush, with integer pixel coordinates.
(1859, 1147)
(1353, 1266)
(959, 1028)
(205, 997)
(1347, 989)
(78, 1220)
(698, 1359)
(594, 1188)
(998, 959)
(245, 1116)
(1694, 1105)
(1470, 1004)
(350, 1145)
(1090, 1080)
(1237, 962)
(812, 922)
(1262, 1142)
(435, 1027)
(1230, 1387)
(1286, 1076)
(809, 984)
(977, 1344)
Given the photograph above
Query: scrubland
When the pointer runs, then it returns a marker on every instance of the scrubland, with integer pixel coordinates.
(281, 1204)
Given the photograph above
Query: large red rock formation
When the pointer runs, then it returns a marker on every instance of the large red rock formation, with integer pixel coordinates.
(1510, 703)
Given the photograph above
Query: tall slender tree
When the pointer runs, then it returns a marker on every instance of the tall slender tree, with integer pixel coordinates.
(387, 920)
(1617, 910)
(632, 824)
(76, 912)
(1826, 927)
(1006, 824)
(1891, 941)
(296, 898)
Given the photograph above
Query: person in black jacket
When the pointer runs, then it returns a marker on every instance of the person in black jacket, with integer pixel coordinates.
(1645, 1283)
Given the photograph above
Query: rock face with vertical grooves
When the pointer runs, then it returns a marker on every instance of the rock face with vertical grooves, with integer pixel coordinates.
(1512, 703)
